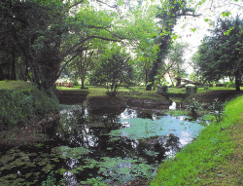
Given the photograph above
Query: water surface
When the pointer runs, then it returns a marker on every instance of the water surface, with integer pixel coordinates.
(117, 146)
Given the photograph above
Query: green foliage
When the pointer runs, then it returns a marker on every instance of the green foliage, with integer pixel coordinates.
(230, 84)
(75, 82)
(52, 32)
(217, 110)
(220, 53)
(26, 105)
(160, 81)
(194, 107)
(95, 181)
(175, 62)
(204, 155)
(168, 14)
(177, 112)
(51, 181)
(66, 152)
(114, 70)
(145, 128)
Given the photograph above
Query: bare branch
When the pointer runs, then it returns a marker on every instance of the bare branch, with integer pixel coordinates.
(75, 4)
(228, 5)
(80, 43)
(105, 28)
(115, 6)
(86, 39)
(78, 51)
(65, 64)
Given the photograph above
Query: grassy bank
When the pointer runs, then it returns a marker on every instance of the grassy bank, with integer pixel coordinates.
(133, 92)
(22, 103)
(214, 158)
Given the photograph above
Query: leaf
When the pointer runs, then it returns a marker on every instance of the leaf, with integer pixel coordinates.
(226, 14)
(120, 2)
(151, 41)
(193, 29)
(228, 32)
(174, 37)
(206, 20)
(154, 34)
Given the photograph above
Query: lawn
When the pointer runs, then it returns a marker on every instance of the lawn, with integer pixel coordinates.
(140, 92)
(214, 158)
(134, 92)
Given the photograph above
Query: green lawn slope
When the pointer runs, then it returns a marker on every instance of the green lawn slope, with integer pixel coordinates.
(214, 158)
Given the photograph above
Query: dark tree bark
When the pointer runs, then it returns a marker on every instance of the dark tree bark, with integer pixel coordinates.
(237, 82)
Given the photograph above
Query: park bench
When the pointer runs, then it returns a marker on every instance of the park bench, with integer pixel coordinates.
(65, 84)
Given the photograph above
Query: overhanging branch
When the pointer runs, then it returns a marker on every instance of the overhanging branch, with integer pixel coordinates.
(77, 3)
(115, 6)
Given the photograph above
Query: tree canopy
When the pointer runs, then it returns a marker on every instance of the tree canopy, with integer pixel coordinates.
(42, 34)
(221, 53)
(39, 39)
(168, 14)
(113, 70)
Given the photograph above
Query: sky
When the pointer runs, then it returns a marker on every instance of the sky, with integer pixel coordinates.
(211, 10)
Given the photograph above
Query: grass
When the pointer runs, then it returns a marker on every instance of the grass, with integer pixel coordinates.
(134, 92)
(23, 104)
(139, 92)
(201, 89)
(214, 158)
(14, 85)
(176, 90)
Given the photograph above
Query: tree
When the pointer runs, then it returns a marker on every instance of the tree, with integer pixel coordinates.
(113, 70)
(221, 53)
(168, 14)
(144, 45)
(81, 65)
(175, 62)
(44, 33)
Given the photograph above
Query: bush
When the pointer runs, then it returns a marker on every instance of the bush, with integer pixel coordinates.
(230, 85)
(24, 106)
(76, 83)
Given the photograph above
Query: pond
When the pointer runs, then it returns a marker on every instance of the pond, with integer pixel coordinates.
(117, 146)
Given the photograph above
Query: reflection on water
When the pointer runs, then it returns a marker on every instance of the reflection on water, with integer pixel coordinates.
(115, 145)
(173, 106)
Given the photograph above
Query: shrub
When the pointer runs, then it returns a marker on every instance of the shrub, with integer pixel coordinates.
(194, 107)
(23, 106)
(230, 85)
(217, 110)
(76, 83)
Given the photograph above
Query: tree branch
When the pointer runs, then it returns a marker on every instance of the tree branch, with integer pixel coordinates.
(105, 28)
(115, 6)
(75, 4)
(62, 68)
(86, 39)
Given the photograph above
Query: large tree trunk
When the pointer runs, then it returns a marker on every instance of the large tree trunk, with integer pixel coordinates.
(178, 82)
(48, 64)
(82, 82)
(13, 71)
(237, 82)
(146, 77)
(149, 87)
